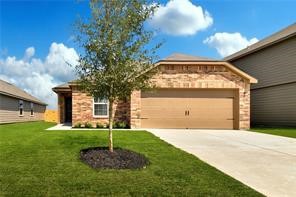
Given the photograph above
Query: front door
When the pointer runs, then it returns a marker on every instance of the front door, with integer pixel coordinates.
(68, 109)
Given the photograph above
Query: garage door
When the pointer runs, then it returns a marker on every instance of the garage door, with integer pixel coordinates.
(171, 108)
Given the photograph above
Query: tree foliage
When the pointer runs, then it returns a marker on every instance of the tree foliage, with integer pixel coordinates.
(116, 56)
(115, 42)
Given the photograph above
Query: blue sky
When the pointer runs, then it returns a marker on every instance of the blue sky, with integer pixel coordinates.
(39, 23)
(36, 36)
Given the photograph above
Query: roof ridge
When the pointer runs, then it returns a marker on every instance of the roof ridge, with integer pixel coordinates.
(184, 57)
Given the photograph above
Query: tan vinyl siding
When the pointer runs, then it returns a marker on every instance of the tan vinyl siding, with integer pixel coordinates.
(9, 110)
(274, 105)
(271, 66)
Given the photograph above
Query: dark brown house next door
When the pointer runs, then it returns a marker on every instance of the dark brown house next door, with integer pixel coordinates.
(68, 109)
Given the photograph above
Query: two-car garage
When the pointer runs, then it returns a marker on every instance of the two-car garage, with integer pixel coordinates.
(195, 93)
(190, 108)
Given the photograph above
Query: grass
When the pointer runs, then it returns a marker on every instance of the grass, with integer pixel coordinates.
(35, 162)
(286, 132)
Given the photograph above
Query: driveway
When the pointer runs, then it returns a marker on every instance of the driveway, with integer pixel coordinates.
(264, 162)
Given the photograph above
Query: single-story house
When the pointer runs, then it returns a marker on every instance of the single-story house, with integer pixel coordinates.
(17, 105)
(192, 92)
(273, 62)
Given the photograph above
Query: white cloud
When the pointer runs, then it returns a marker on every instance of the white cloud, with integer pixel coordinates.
(228, 43)
(59, 55)
(181, 17)
(37, 76)
(29, 53)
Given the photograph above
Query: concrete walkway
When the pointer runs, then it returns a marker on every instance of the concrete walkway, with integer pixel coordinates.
(61, 127)
(264, 162)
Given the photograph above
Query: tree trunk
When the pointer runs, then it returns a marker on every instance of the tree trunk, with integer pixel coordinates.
(110, 125)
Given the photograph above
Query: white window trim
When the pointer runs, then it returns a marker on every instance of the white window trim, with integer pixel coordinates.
(21, 115)
(100, 116)
(32, 108)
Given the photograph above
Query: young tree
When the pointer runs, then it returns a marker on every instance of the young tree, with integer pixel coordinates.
(116, 56)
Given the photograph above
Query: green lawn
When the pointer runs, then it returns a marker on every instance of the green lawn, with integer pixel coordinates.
(35, 162)
(286, 132)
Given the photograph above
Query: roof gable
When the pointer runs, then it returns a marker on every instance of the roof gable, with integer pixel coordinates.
(217, 63)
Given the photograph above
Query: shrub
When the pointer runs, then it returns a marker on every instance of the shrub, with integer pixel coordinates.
(77, 125)
(88, 125)
(120, 125)
(100, 125)
(114, 124)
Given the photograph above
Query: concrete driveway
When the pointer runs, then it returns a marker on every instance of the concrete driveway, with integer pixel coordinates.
(264, 162)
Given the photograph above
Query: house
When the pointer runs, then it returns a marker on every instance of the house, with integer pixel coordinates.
(192, 92)
(17, 105)
(273, 62)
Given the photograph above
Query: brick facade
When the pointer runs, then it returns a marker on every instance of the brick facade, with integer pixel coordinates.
(82, 109)
(198, 76)
(169, 76)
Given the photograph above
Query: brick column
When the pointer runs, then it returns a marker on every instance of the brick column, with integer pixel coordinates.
(135, 114)
(244, 106)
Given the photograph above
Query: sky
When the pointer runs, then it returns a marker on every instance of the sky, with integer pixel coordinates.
(36, 37)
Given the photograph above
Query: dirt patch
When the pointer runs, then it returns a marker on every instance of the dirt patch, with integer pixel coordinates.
(101, 157)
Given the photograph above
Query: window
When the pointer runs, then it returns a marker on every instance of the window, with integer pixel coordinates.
(100, 108)
(21, 107)
(32, 109)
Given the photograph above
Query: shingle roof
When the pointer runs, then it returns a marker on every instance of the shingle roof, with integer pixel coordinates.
(184, 57)
(281, 35)
(63, 87)
(13, 91)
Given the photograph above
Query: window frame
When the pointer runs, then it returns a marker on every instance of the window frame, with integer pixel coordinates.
(32, 112)
(21, 108)
(100, 103)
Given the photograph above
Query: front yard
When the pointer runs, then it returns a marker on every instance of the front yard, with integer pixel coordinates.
(286, 132)
(35, 162)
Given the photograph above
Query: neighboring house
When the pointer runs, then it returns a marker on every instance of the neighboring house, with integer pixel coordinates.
(273, 62)
(17, 105)
(192, 92)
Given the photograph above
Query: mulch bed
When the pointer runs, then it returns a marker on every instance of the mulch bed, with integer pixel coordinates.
(101, 157)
